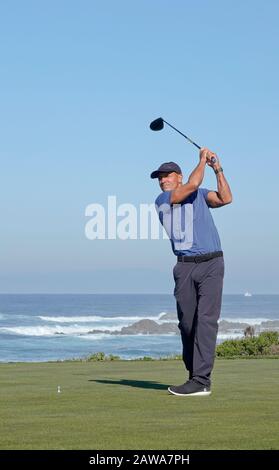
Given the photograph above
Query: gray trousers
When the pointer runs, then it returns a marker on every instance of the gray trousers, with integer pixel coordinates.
(198, 293)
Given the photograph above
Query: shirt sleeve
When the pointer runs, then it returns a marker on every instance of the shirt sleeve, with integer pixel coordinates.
(204, 192)
(163, 207)
(163, 198)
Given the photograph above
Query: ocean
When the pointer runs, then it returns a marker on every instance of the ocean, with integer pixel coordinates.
(50, 327)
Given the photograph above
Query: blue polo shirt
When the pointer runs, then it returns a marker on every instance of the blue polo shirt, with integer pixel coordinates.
(189, 225)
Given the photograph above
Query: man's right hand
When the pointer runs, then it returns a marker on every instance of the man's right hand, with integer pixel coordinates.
(207, 156)
(203, 154)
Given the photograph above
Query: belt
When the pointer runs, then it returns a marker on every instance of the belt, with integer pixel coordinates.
(199, 258)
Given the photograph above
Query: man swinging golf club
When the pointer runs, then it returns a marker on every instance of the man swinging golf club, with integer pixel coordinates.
(183, 209)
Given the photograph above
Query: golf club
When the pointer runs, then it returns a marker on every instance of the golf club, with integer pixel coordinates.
(158, 125)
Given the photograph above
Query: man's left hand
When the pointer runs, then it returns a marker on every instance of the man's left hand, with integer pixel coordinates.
(209, 156)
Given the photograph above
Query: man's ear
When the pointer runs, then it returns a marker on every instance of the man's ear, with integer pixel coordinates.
(180, 178)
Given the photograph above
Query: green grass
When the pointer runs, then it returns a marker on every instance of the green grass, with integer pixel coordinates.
(125, 405)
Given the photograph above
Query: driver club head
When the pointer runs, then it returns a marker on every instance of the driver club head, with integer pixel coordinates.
(157, 124)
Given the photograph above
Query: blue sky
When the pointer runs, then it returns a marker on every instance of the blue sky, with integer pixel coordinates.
(79, 84)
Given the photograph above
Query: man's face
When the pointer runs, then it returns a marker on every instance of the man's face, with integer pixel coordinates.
(169, 181)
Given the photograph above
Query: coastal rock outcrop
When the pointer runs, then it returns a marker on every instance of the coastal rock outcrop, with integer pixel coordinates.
(149, 327)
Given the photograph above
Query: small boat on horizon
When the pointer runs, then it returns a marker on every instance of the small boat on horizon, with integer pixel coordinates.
(247, 294)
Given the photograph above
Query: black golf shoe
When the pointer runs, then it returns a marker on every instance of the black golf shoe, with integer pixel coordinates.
(189, 389)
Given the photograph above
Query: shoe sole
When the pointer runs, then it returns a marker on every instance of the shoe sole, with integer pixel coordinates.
(196, 394)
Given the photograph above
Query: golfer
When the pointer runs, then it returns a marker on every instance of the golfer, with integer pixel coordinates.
(183, 210)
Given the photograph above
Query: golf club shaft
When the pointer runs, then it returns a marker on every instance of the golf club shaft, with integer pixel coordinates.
(213, 160)
(190, 140)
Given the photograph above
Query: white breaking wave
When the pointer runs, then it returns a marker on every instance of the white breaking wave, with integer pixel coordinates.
(250, 321)
(86, 325)
(98, 318)
(230, 335)
(125, 337)
(96, 337)
(87, 319)
(172, 318)
(53, 330)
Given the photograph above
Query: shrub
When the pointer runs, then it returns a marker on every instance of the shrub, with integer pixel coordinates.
(100, 356)
(274, 350)
(267, 343)
(145, 358)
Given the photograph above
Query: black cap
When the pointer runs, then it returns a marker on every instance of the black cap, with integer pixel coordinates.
(167, 167)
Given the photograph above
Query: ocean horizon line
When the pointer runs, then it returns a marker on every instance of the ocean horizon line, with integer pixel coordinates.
(122, 293)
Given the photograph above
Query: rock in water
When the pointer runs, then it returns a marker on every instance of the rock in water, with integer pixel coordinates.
(149, 327)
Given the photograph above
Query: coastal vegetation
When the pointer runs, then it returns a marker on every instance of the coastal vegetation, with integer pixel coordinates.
(266, 344)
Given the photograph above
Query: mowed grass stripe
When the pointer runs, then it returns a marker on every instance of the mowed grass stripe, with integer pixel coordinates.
(125, 405)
